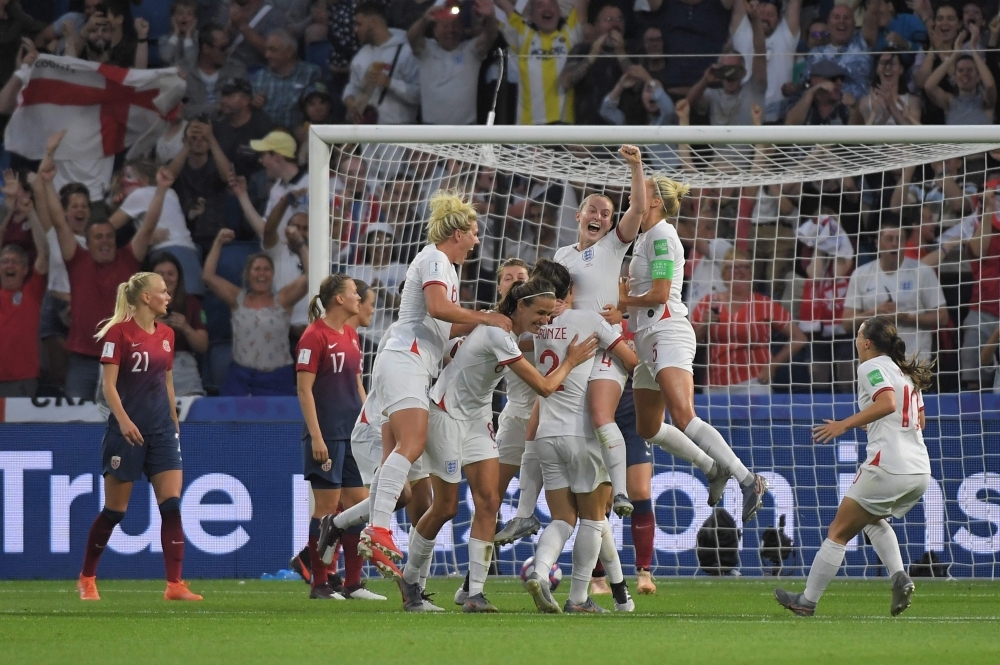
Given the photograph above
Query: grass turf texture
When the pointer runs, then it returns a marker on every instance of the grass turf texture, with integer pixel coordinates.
(701, 620)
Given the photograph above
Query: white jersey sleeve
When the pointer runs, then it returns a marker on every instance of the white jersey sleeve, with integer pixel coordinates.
(520, 396)
(895, 442)
(658, 255)
(465, 387)
(595, 271)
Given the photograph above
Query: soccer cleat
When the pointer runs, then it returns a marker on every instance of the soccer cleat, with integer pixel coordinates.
(753, 497)
(359, 592)
(586, 607)
(599, 586)
(413, 598)
(428, 605)
(384, 564)
(329, 534)
(623, 601)
(902, 593)
(333, 579)
(87, 586)
(540, 592)
(300, 564)
(462, 594)
(717, 485)
(377, 538)
(516, 529)
(179, 591)
(645, 584)
(621, 506)
(795, 602)
(324, 592)
(478, 605)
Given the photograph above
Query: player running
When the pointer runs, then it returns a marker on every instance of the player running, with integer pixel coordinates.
(576, 482)
(143, 435)
(460, 433)
(893, 477)
(665, 344)
(412, 356)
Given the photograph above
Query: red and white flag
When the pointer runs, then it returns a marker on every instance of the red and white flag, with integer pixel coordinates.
(105, 109)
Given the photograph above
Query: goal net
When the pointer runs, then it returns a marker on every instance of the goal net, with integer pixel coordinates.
(792, 234)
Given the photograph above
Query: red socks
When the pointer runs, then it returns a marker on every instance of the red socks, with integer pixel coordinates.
(352, 560)
(643, 524)
(316, 566)
(97, 540)
(172, 538)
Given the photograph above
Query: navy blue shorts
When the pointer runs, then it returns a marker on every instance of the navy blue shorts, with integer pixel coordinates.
(637, 451)
(128, 463)
(340, 470)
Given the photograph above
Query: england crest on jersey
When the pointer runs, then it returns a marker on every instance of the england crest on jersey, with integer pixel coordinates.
(588, 254)
(451, 467)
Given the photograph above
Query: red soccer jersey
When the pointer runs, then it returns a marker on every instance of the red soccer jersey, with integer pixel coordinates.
(143, 361)
(986, 274)
(92, 299)
(823, 302)
(335, 358)
(739, 345)
(19, 317)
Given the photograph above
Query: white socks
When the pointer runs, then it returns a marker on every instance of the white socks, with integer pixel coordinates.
(418, 553)
(391, 480)
(609, 555)
(674, 442)
(550, 546)
(709, 440)
(353, 516)
(529, 481)
(825, 567)
(886, 545)
(585, 552)
(373, 490)
(613, 454)
(425, 570)
(480, 555)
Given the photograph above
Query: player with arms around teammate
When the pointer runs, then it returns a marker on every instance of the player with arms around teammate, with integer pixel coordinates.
(143, 435)
(665, 344)
(594, 264)
(459, 435)
(328, 371)
(415, 343)
(893, 477)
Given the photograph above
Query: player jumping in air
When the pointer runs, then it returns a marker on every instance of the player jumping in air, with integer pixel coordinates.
(895, 473)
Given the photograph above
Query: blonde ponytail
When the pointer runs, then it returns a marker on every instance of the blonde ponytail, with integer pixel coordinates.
(450, 212)
(127, 299)
(670, 192)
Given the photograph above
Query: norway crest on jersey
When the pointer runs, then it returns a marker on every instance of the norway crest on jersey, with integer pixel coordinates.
(327, 465)
(588, 254)
(116, 462)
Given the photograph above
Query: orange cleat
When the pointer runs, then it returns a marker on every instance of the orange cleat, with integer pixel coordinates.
(87, 586)
(599, 586)
(179, 591)
(645, 585)
(383, 563)
(377, 538)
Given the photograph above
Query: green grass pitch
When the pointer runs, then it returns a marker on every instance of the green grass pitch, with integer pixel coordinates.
(687, 621)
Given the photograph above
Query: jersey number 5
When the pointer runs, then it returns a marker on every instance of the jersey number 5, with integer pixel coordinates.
(338, 361)
(549, 354)
(140, 359)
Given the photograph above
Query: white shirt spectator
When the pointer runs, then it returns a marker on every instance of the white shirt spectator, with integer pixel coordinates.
(279, 190)
(58, 277)
(288, 268)
(780, 47)
(706, 276)
(401, 102)
(172, 218)
(448, 83)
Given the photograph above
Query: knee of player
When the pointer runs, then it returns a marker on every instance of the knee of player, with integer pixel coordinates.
(647, 430)
(173, 504)
(681, 416)
(486, 502)
(446, 507)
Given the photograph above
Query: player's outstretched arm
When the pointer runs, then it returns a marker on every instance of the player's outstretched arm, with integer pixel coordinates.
(546, 385)
(220, 286)
(657, 295)
(883, 405)
(628, 227)
(443, 309)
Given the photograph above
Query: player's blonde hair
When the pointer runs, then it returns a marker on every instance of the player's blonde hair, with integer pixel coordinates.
(670, 192)
(127, 300)
(331, 287)
(450, 212)
(587, 198)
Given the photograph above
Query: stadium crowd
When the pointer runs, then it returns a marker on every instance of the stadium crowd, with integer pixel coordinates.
(780, 276)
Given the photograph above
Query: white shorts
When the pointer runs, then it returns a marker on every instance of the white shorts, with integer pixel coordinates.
(669, 343)
(607, 367)
(401, 381)
(451, 444)
(885, 494)
(571, 461)
(511, 432)
(366, 446)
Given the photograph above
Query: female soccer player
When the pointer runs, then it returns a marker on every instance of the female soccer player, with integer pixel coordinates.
(665, 344)
(893, 477)
(414, 345)
(143, 435)
(328, 373)
(576, 482)
(594, 264)
(459, 436)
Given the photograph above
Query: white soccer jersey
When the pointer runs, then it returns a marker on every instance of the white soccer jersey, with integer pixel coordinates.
(658, 255)
(595, 271)
(414, 329)
(520, 396)
(465, 387)
(895, 442)
(371, 412)
(564, 412)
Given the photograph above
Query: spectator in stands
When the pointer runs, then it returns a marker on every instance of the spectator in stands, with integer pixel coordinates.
(385, 276)
(657, 109)
(177, 47)
(355, 207)
(707, 254)
(262, 359)
(315, 38)
(276, 152)
(652, 46)
(825, 101)
(278, 86)
(209, 73)
(737, 325)
(975, 96)
(943, 25)
(250, 22)
(848, 48)
(21, 293)
(903, 32)
(201, 173)
(781, 37)
(449, 65)
(403, 14)
(690, 28)
(591, 74)
(889, 102)
(112, 36)
(187, 318)
(543, 36)
(316, 105)
(139, 185)
(399, 210)
(984, 306)
(16, 226)
(974, 22)
(14, 25)
(898, 287)
(344, 43)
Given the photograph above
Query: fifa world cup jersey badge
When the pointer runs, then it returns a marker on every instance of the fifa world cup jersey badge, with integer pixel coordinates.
(116, 462)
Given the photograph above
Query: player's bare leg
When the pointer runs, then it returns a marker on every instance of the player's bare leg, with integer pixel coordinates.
(116, 498)
(167, 487)
(602, 401)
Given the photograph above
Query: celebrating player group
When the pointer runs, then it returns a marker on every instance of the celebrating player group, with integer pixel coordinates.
(583, 409)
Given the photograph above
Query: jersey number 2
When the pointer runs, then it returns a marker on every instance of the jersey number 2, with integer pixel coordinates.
(140, 359)
(549, 354)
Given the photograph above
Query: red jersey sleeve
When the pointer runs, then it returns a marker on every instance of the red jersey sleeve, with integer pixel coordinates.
(111, 352)
(309, 352)
(357, 344)
(779, 315)
(170, 347)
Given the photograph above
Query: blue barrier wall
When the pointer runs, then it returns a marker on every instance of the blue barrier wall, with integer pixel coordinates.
(245, 507)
